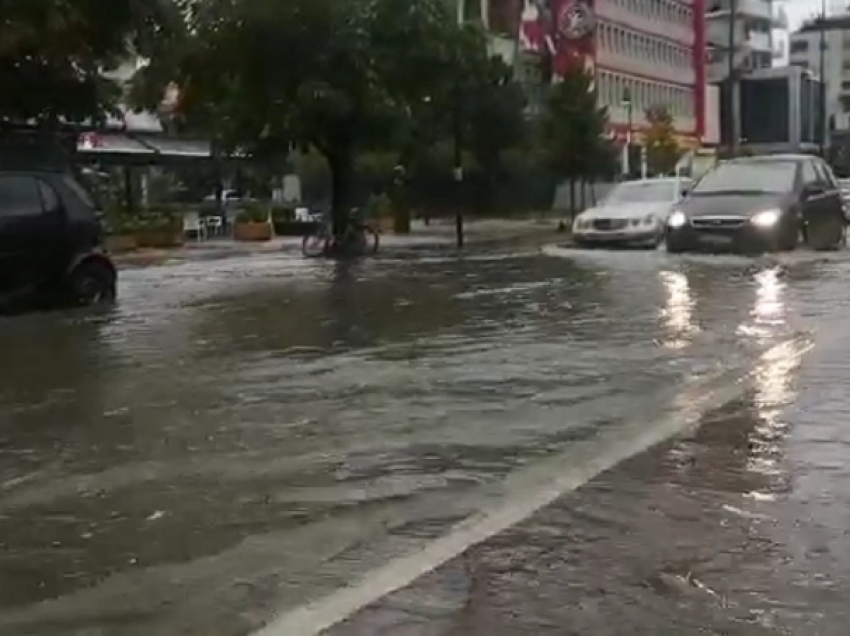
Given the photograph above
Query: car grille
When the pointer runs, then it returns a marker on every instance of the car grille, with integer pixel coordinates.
(717, 224)
(610, 224)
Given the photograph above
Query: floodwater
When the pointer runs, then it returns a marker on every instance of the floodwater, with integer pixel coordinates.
(239, 439)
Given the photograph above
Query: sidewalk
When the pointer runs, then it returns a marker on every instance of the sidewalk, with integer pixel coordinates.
(438, 235)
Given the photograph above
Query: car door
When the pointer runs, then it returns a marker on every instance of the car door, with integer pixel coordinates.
(835, 199)
(32, 245)
(815, 196)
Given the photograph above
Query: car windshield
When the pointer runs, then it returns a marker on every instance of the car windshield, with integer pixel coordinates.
(642, 192)
(748, 176)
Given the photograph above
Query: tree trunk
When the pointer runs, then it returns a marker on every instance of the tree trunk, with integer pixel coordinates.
(341, 165)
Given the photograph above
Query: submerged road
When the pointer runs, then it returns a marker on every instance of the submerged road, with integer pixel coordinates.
(508, 443)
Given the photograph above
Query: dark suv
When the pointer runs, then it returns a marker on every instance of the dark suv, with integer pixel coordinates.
(50, 243)
(758, 204)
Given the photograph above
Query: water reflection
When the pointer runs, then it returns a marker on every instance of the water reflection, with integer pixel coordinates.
(678, 310)
(774, 390)
(769, 308)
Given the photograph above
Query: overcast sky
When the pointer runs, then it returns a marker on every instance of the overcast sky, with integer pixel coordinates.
(799, 10)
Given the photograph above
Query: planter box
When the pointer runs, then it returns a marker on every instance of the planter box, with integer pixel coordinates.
(121, 243)
(252, 231)
(165, 237)
(384, 224)
(401, 223)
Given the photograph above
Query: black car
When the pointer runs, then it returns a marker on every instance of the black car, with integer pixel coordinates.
(50, 243)
(759, 204)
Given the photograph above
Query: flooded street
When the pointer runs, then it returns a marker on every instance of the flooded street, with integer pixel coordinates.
(434, 446)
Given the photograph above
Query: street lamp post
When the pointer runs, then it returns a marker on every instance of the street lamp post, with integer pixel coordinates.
(822, 111)
(629, 106)
(458, 161)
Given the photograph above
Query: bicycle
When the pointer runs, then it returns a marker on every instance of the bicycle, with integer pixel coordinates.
(359, 239)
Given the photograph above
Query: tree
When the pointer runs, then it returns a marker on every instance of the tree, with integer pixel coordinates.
(338, 77)
(572, 129)
(55, 55)
(495, 120)
(662, 149)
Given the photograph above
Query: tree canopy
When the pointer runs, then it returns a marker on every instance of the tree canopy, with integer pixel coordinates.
(339, 77)
(572, 129)
(55, 54)
(662, 149)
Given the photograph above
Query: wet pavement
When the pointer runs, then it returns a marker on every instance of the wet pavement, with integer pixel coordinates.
(290, 443)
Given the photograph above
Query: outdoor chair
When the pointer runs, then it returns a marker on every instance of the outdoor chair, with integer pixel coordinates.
(193, 223)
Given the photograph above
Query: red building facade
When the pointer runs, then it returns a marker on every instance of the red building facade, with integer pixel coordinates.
(653, 51)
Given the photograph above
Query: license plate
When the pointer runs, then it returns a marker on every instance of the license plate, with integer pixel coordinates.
(715, 239)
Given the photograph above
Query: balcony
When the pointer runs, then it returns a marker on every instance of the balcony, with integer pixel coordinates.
(758, 9)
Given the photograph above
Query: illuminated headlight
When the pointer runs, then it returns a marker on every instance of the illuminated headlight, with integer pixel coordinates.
(768, 218)
(677, 219)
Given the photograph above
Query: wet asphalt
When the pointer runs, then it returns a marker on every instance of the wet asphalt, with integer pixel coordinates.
(238, 439)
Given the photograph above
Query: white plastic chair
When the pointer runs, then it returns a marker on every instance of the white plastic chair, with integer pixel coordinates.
(192, 222)
(214, 224)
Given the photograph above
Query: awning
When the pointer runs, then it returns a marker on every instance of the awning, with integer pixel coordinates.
(95, 143)
(189, 148)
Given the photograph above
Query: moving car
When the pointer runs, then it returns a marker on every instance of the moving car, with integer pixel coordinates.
(844, 186)
(758, 204)
(51, 250)
(634, 213)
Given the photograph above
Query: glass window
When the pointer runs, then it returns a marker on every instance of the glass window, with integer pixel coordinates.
(19, 196)
(642, 192)
(809, 173)
(49, 199)
(762, 176)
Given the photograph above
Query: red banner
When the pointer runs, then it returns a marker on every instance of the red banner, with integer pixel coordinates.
(563, 30)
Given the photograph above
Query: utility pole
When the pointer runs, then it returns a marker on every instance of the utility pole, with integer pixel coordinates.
(627, 161)
(458, 162)
(734, 96)
(823, 111)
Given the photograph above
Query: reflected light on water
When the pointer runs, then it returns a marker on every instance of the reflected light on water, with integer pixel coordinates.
(774, 390)
(769, 308)
(678, 310)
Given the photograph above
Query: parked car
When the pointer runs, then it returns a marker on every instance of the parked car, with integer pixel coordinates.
(757, 204)
(51, 243)
(633, 213)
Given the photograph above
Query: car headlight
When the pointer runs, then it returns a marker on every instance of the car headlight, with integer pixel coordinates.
(579, 224)
(767, 218)
(677, 219)
(649, 219)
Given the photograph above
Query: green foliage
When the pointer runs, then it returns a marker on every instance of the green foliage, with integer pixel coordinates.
(54, 53)
(572, 129)
(118, 220)
(662, 149)
(255, 213)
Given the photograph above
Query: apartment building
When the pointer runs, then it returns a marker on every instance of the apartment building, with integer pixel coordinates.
(755, 25)
(650, 53)
(643, 53)
(804, 52)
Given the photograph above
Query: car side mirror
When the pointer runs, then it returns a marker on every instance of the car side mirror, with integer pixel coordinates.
(811, 190)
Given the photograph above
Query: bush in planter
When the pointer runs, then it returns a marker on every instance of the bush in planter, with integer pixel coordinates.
(160, 227)
(252, 224)
(120, 228)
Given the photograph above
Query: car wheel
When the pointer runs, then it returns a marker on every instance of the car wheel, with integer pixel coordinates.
(93, 282)
(825, 234)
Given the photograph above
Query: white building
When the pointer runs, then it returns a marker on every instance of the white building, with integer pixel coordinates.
(755, 24)
(804, 51)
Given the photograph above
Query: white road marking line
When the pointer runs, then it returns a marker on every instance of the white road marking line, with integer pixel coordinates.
(526, 494)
